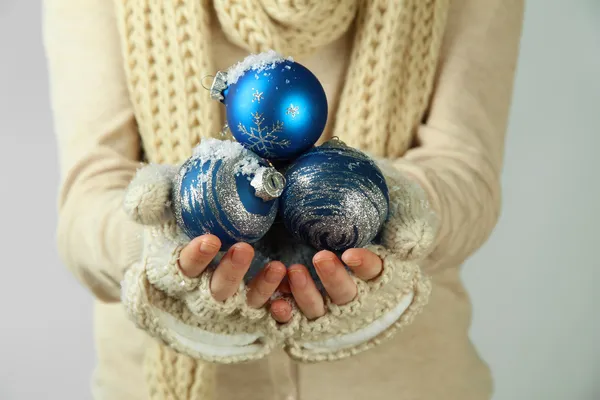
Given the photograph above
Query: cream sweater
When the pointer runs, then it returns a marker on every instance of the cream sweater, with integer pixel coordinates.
(457, 157)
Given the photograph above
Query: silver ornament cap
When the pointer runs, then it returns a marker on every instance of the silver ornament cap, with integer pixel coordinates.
(334, 142)
(219, 84)
(268, 183)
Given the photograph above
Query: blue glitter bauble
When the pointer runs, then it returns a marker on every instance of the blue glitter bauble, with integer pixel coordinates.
(336, 198)
(226, 195)
(278, 111)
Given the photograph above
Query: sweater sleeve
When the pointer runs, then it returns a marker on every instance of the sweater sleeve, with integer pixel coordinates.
(98, 143)
(458, 154)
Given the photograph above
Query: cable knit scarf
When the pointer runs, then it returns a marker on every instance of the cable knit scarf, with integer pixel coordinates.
(167, 50)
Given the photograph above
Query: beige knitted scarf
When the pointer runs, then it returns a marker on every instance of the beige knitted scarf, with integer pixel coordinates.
(167, 50)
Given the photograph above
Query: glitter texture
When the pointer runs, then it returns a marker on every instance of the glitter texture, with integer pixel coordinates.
(213, 194)
(257, 96)
(293, 110)
(262, 139)
(336, 198)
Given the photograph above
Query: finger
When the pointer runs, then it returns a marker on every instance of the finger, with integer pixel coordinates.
(197, 255)
(281, 310)
(337, 282)
(309, 299)
(231, 270)
(262, 287)
(364, 263)
(284, 286)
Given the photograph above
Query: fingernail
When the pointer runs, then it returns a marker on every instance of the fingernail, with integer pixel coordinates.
(326, 265)
(352, 262)
(281, 311)
(271, 274)
(297, 278)
(208, 247)
(239, 256)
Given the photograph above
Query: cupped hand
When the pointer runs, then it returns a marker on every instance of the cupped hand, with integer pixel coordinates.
(336, 281)
(198, 254)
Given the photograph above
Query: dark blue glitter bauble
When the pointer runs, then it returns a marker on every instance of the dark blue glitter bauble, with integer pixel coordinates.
(277, 110)
(227, 191)
(336, 198)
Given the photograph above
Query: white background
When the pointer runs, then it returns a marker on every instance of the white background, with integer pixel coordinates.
(533, 284)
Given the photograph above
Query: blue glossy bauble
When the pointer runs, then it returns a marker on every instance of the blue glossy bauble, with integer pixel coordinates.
(278, 111)
(217, 194)
(336, 198)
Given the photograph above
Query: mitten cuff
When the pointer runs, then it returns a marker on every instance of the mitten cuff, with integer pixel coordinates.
(390, 303)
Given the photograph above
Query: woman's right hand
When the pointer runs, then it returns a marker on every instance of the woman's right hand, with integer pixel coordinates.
(196, 256)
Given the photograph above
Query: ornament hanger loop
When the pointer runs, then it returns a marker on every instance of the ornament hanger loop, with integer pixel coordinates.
(336, 141)
(204, 78)
(225, 131)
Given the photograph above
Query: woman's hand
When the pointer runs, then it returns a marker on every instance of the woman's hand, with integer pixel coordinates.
(338, 283)
(198, 254)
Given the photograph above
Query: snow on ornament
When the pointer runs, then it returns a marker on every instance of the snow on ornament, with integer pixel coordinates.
(335, 198)
(275, 107)
(228, 191)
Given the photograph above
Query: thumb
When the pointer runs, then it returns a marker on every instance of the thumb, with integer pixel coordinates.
(148, 196)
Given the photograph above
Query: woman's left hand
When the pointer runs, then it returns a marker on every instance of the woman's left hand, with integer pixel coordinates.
(336, 280)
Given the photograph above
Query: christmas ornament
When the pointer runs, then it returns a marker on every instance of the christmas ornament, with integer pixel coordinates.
(228, 191)
(335, 198)
(275, 107)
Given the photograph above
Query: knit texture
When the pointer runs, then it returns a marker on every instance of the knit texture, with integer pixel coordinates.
(167, 49)
(177, 377)
(455, 155)
(182, 314)
(333, 336)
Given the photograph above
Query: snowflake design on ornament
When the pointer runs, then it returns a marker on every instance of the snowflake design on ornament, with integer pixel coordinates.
(257, 96)
(263, 139)
(293, 110)
(353, 165)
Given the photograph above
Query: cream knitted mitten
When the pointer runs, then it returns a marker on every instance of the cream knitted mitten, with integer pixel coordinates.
(179, 311)
(387, 303)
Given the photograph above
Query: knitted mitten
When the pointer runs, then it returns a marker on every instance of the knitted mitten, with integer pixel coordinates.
(180, 311)
(386, 303)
